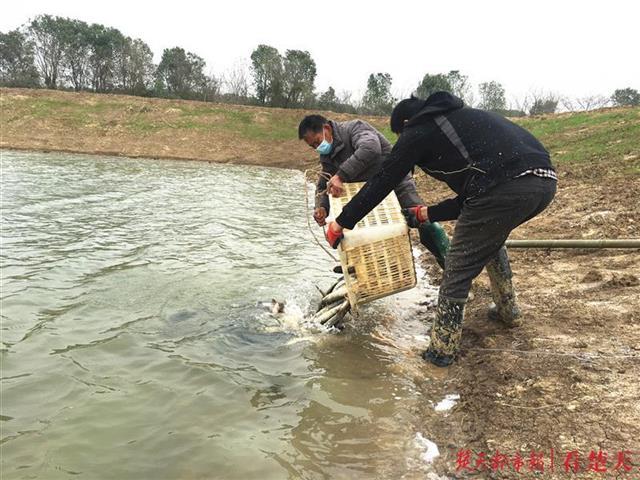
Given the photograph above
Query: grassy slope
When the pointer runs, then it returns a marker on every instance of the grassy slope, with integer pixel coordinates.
(124, 125)
(609, 134)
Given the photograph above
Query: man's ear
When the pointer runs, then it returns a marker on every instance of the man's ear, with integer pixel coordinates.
(328, 125)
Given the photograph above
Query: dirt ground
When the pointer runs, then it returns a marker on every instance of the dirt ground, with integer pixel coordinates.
(565, 384)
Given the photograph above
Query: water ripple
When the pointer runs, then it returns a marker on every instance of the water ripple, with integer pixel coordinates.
(132, 295)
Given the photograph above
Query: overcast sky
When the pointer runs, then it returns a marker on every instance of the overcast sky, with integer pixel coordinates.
(575, 48)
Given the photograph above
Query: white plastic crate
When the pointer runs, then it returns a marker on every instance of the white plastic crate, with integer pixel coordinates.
(376, 255)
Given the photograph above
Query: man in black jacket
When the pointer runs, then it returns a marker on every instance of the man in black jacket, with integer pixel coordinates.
(502, 176)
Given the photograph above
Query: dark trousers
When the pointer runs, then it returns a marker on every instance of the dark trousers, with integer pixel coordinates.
(485, 223)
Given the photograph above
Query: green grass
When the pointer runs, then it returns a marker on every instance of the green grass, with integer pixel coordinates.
(211, 119)
(69, 113)
(44, 107)
(587, 136)
(386, 131)
(611, 134)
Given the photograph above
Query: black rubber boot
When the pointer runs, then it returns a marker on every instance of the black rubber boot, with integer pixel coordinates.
(435, 239)
(504, 308)
(446, 332)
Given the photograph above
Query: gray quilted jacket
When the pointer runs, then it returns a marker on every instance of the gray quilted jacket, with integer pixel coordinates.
(357, 154)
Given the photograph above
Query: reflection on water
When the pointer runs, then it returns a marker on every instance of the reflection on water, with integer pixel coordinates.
(135, 345)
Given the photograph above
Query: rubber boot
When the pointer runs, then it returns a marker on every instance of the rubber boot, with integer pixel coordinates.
(446, 332)
(504, 308)
(435, 239)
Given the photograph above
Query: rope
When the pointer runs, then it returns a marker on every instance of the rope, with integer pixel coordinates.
(306, 199)
(562, 354)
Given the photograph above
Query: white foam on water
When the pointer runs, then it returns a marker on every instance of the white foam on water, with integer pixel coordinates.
(429, 449)
(447, 403)
(295, 321)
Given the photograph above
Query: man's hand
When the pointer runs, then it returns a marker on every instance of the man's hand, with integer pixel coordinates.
(416, 216)
(334, 234)
(335, 187)
(320, 216)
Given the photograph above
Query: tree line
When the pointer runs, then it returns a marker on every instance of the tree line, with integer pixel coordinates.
(63, 53)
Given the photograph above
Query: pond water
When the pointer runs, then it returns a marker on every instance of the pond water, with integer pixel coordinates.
(135, 343)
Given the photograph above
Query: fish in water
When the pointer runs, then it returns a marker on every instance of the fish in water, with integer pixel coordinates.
(277, 307)
(274, 306)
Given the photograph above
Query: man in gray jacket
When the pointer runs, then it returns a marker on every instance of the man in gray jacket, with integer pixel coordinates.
(354, 151)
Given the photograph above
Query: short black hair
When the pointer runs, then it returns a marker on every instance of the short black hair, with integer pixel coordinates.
(404, 110)
(311, 122)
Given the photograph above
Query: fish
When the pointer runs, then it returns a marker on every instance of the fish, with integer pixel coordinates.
(277, 307)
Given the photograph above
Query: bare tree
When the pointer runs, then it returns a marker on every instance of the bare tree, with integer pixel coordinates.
(541, 102)
(210, 87)
(521, 104)
(589, 102)
(592, 102)
(470, 98)
(346, 97)
(568, 103)
(235, 81)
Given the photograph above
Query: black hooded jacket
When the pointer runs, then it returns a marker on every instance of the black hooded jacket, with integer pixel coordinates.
(470, 150)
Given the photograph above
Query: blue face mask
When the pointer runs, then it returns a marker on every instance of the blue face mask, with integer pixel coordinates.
(325, 147)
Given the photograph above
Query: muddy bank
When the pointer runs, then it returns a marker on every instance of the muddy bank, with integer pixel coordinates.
(567, 380)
